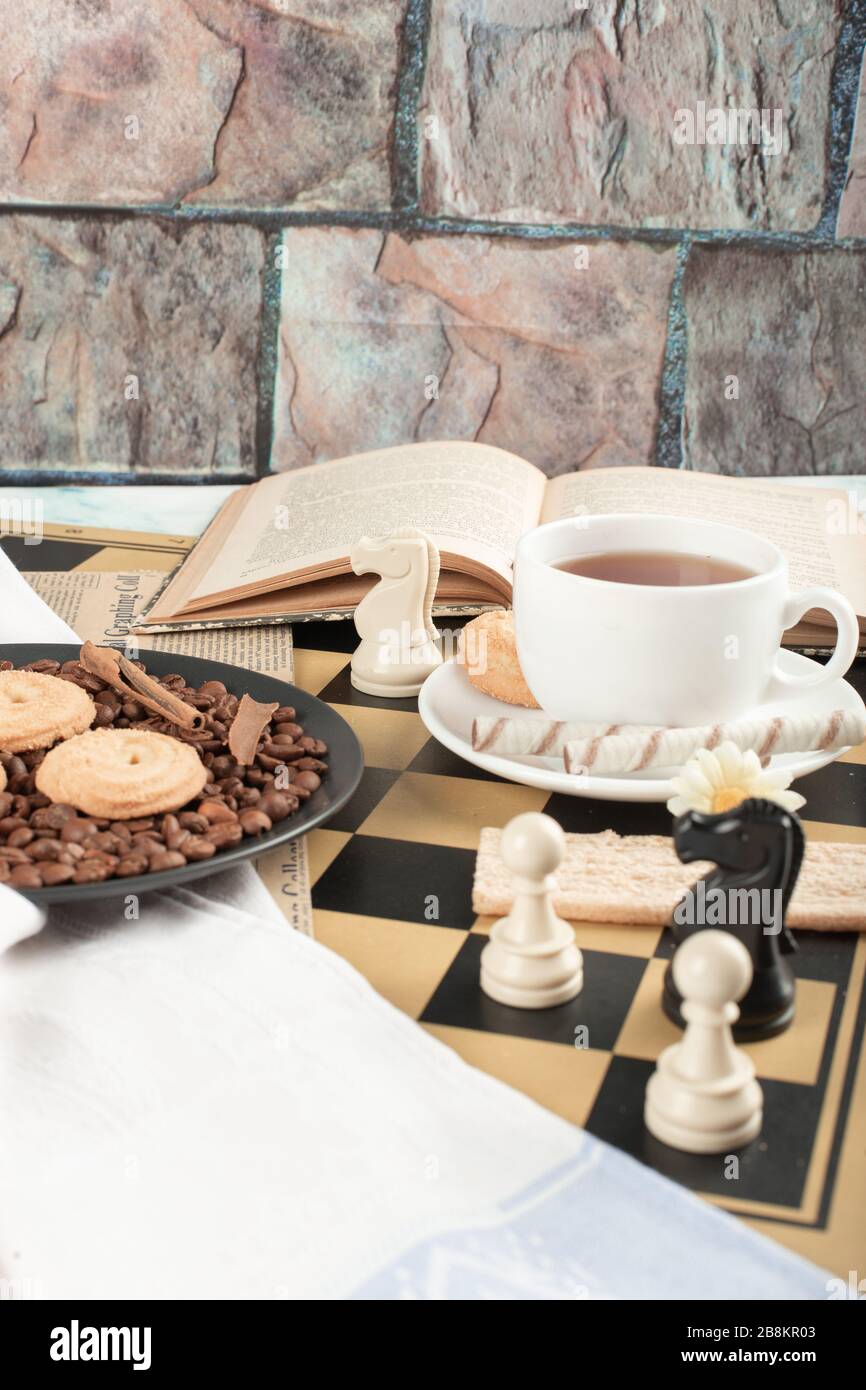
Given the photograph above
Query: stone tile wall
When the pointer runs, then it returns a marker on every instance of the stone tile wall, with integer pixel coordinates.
(238, 235)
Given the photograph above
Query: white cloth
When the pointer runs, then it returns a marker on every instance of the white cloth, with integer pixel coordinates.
(198, 1102)
(23, 615)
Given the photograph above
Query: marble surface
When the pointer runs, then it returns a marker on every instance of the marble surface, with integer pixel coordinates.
(186, 511)
(171, 511)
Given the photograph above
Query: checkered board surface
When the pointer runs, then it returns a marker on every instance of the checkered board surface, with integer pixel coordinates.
(392, 892)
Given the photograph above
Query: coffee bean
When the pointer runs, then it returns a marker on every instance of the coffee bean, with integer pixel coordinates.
(20, 837)
(44, 849)
(12, 823)
(269, 763)
(311, 781)
(91, 871)
(14, 856)
(99, 856)
(131, 864)
(45, 666)
(25, 876)
(52, 817)
(250, 796)
(275, 804)
(166, 859)
(282, 752)
(226, 833)
(191, 820)
(53, 874)
(197, 847)
(284, 715)
(145, 840)
(254, 822)
(76, 831)
(216, 812)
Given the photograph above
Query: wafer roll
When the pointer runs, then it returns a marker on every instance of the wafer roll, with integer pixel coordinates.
(623, 752)
(540, 738)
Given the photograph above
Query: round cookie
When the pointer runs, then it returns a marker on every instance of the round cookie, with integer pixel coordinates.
(37, 710)
(122, 774)
(489, 651)
(2, 778)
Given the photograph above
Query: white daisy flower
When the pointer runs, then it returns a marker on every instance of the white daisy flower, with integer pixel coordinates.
(718, 780)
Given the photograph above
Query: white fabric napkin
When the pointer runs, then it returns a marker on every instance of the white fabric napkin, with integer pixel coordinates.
(23, 615)
(199, 1102)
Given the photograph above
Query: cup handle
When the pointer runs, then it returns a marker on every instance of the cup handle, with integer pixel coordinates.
(847, 640)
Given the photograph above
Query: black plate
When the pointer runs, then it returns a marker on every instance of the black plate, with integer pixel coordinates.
(345, 765)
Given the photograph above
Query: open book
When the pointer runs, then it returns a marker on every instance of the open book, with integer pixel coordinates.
(278, 550)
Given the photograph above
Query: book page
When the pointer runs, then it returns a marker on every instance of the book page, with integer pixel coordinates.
(470, 499)
(807, 525)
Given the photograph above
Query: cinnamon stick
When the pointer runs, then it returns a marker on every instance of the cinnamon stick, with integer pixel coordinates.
(247, 728)
(112, 667)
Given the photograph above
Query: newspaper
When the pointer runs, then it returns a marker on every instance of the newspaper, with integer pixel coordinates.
(102, 607)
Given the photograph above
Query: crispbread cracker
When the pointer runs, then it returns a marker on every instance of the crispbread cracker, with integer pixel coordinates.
(637, 880)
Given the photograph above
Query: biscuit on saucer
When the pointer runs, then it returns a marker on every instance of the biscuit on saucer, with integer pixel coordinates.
(489, 651)
(37, 710)
(122, 774)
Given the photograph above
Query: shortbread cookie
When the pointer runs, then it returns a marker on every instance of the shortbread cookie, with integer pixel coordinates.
(2, 778)
(37, 710)
(122, 774)
(489, 652)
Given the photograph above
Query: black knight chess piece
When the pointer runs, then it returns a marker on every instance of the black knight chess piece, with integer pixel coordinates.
(758, 848)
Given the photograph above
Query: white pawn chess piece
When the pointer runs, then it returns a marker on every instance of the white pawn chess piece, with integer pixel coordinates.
(532, 960)
(399, 643)
(703, 1096)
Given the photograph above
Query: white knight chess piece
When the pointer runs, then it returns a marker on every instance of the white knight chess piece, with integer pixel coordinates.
(399, 645)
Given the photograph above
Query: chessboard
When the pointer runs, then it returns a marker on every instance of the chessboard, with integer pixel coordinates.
(392, 893)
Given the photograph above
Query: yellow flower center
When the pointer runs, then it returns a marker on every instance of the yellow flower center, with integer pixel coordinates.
(728, 797)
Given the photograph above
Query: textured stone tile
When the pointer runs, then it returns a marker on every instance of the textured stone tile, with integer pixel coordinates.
(260, 102)
(128, 344)
(852, 209)
(553, 112)
(790, 328)
(508, 342)
(312, 116)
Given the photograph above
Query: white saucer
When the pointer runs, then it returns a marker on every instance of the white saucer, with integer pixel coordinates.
(448, 703)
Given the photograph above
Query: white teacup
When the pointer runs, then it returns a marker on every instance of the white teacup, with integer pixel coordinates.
(610, 652)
